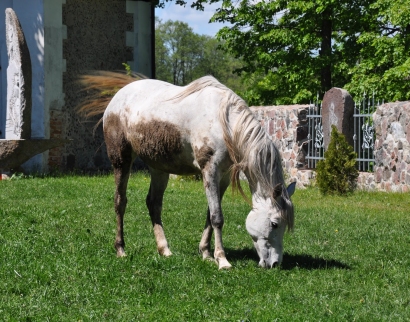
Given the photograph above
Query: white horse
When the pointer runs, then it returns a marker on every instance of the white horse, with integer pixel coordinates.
(202, 128)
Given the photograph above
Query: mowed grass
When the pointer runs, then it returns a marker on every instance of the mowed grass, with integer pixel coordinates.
(347, 260)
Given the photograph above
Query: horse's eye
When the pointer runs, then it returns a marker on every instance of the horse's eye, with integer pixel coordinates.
(274, 225)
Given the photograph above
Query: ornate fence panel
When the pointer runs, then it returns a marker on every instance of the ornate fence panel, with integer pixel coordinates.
(364, 135)
(315, 136)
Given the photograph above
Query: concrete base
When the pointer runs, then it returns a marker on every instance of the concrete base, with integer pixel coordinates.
(14, 153)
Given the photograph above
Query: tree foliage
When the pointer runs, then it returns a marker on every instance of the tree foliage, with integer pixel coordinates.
(178, 51)
(293, 49)
(183, 56)
(337, 173)
(384, 61)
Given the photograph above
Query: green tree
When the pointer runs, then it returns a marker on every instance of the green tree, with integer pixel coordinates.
(384, 63)
(182, 56)
(337, 173)
(163, 65)
(219, 64)
(178, 51)
(293, 49)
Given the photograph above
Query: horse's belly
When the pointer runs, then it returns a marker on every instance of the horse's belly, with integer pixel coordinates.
(179, 162)
(171, 165)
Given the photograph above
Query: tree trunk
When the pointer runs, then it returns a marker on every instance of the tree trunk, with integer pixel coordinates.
(326, 50)
(407, 38)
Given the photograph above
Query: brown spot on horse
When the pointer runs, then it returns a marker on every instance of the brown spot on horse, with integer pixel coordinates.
(204, 154)
(156, 140)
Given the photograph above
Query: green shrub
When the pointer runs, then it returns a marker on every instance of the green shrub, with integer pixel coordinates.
(337, 173)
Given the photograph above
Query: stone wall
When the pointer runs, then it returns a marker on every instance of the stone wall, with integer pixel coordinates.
(287, 126)
(392, 149)
(101, 35)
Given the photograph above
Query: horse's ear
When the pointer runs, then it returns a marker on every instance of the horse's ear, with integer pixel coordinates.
(277, 191)
(291, 189)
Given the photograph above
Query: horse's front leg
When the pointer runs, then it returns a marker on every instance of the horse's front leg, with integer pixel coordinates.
(159, 182)
(214, 196)
(205, 244)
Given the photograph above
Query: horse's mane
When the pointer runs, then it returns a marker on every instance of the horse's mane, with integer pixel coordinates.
(250, 148)
(253, 152)
(200, 84)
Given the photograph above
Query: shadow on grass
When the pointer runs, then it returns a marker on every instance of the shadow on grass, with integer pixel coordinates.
(290, 261)
(309, 262)
(241, 254)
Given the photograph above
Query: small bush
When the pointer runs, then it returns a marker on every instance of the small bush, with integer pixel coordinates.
(337, 173)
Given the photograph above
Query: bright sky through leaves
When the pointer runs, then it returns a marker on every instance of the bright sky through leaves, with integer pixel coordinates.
(197, 20)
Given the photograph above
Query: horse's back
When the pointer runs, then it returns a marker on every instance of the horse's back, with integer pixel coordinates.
(160, 99)
(163, 129)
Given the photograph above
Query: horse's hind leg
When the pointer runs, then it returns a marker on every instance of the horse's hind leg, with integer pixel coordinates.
(121, 156)
(159, 181)
(205, 244)
(120, 202)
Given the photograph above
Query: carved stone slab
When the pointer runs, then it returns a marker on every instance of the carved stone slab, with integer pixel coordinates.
(18, 124)
(337, 109)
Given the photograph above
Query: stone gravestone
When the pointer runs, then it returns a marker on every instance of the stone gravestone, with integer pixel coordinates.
(337, 109)
(18, 123)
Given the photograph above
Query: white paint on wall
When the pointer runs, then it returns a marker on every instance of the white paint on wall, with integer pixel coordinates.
(140, 38)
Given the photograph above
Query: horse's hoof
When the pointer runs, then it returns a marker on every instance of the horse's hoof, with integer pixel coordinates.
(165, 252)
(223, 263)
(121, 253)
(209, 259)
(206, 255)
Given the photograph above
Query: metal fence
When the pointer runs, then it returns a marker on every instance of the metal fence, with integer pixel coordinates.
(364, 134)
(315, 135)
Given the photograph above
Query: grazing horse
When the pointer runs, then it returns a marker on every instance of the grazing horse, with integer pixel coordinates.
(202, 128)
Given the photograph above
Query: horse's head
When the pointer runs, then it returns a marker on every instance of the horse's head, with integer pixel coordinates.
(266, 223)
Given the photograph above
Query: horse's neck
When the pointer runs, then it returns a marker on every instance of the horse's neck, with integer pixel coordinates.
(259, 196)
(254, 186)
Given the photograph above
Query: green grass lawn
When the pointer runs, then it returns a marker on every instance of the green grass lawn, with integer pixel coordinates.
(347, 260)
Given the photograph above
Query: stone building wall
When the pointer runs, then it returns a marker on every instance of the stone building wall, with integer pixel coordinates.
(96, 39)
(67, 38)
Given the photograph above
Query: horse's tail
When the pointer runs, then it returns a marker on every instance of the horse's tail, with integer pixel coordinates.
(100, 86)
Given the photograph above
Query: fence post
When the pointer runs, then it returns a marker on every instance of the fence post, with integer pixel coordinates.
(337, 109)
